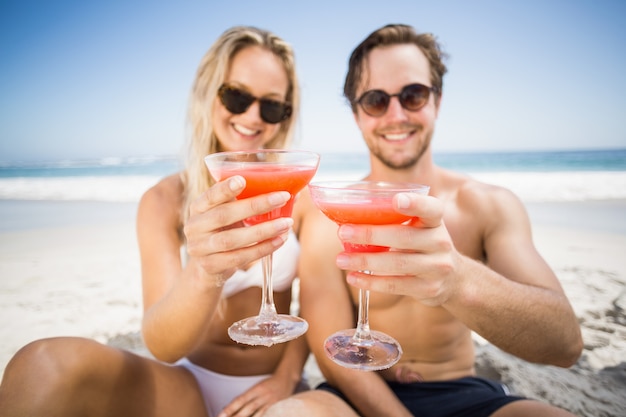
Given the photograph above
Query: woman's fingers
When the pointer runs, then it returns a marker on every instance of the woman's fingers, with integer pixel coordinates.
(219, 202)
(219, 193)
(214, 232)
(219, 215)
(240, 237)
(218, 263)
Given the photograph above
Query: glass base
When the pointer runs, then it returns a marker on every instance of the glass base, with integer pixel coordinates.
(260, 331)
(381, 351)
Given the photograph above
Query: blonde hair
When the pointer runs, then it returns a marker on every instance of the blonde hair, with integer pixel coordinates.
(210, 76)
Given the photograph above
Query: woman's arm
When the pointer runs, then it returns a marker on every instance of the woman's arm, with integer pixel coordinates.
(180, 302)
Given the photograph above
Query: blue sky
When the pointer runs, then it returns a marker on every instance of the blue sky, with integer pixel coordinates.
(92, 79)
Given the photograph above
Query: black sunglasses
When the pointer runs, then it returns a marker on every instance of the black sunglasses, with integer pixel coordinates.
(238, 101)
(412, 97)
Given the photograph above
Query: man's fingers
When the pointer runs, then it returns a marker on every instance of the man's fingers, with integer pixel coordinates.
(428, 209)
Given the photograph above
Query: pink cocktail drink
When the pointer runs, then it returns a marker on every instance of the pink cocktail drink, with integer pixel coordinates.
(362, 211)
(265, 171)
(362, 202)
(267, 178)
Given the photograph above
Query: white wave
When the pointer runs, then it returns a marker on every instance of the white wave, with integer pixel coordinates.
(541, 186)
(529, 186)
(560, 186)
(95, 188)
(111, 161)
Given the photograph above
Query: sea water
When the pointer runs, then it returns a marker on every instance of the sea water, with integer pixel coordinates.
(534, 176)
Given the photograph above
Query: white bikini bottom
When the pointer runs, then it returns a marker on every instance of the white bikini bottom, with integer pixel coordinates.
(218, 390)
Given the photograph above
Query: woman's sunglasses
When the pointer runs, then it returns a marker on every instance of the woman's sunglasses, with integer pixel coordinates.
(412, 97)
(238, 101)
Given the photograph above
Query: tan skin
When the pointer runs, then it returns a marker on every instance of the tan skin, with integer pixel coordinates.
(215, 251)
(184, 313)
(467, 262)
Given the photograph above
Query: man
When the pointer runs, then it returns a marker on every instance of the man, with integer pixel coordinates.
(466, 263)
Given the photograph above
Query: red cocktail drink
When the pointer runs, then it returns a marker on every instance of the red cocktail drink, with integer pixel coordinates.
(266, 171)
(362, 202)
(266, 178)
(367, 211)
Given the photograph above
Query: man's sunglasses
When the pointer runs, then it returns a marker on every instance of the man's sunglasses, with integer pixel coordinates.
(238, 101)
(412, 97)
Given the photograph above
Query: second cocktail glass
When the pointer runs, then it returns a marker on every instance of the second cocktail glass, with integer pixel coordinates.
(266, 171)
(362, 202)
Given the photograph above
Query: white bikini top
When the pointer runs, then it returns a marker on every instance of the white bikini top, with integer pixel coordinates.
(284, 265)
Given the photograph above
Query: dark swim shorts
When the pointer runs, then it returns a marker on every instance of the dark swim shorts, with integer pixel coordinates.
(470, 396)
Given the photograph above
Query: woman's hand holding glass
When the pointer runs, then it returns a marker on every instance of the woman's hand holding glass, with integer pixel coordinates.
(259, 398)
(215, 234)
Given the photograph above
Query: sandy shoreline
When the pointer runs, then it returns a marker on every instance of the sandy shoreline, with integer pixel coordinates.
(72, 268)
(68, 279)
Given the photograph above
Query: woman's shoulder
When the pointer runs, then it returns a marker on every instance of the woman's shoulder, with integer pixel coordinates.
(165, 197)
(169, 188)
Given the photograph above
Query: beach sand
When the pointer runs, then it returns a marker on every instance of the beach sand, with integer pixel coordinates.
(72, 269)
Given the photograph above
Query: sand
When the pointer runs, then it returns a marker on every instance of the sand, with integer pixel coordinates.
(72, 268)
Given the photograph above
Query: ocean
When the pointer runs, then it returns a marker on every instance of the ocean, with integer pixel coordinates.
(554, 176)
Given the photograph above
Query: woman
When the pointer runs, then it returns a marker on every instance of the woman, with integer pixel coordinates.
(244, 97)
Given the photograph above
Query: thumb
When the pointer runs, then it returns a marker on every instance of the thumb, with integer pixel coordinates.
(428, 209)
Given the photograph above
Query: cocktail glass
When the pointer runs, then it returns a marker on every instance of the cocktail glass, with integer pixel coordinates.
(266, 171)
(362, 202)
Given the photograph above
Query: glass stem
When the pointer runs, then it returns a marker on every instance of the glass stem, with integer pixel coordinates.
(363, 326)
(268, 309)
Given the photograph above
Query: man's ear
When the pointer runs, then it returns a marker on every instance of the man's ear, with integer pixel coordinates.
(438, 104)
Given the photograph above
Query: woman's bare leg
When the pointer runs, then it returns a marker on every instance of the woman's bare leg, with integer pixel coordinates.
(74, 376)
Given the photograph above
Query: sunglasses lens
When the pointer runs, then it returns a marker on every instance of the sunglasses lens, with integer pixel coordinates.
(375, 102)
(274, 111)
(236, 101)
(414, 96)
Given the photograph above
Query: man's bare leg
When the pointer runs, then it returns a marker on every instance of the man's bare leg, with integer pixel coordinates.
(523, 408)
(314, 403)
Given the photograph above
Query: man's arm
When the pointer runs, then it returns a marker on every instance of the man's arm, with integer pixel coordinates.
(535, 320)
(515, 301)
(326, 304)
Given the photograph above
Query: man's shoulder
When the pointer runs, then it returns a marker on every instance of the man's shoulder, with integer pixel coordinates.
(470, 194)
(491, 193)
(466, 187)
(490, 207)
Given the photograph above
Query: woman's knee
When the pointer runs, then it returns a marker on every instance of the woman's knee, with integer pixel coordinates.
(50, 362)
(37, 379)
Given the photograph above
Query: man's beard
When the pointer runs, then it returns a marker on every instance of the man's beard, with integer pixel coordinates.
(407, 162)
